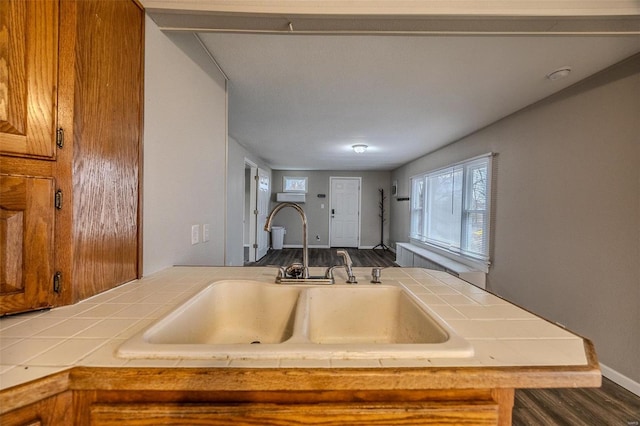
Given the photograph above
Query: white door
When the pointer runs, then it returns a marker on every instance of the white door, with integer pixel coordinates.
(262, 209)
(253, 198)
(345, 212)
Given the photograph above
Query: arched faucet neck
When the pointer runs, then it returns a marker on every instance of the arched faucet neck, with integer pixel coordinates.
(305, 235)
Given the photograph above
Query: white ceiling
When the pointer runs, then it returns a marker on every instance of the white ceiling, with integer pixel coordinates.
(302, 101)
(310, 78)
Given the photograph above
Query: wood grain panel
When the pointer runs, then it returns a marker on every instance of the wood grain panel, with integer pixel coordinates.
(52, 411)
(26, 167)
(32, 392)
(106, 144)
(610, 404)
(11, 238)
(454, 413)
(300, 380)
(28, 77)
(30, 243)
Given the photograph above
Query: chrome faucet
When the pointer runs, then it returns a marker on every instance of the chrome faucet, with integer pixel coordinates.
(305, 237)
(351, 279)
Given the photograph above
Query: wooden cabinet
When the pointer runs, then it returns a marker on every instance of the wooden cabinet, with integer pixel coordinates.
(28, 77)
(70, 120)
(482, 395)
(26, 242)
(98, 170)
(280, 396)
(54, 410)
(357, 413)
(97, 397)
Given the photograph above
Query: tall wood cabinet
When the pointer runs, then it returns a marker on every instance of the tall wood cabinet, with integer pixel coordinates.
(71, 75)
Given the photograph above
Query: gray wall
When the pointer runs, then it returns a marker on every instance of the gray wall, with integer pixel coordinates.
(236, 201)
(184, 154)
(566, 240)
(318, 218)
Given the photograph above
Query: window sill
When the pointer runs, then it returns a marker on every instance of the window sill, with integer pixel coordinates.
(412, 255)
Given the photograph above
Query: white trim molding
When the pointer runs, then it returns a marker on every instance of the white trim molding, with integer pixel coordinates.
(620, 379)
(406, 7)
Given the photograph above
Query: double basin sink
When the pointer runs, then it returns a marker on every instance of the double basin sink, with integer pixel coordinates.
(256, 320)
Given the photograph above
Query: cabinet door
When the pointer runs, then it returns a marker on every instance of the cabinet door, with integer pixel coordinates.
(106, 143)
(26, 243)
(28, 77)
(55, 410)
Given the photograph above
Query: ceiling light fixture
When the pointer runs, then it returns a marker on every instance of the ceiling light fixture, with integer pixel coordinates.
(359, 148)
(559, 73)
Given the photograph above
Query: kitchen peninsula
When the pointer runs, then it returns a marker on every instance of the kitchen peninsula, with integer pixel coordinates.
(62, 363)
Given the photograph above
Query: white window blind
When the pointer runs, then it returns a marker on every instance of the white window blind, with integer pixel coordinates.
(450, 208)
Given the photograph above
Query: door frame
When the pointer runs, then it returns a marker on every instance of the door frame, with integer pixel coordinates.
(359, 179)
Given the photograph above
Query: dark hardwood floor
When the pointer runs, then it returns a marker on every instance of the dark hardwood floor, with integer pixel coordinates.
(607, 405)
(327, 257)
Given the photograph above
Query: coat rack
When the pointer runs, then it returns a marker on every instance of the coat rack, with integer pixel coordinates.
(382, 245)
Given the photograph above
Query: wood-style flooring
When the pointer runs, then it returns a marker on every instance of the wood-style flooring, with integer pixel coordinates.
(327, 257)
(607, 405)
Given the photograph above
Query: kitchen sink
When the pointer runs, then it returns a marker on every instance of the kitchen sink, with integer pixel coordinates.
(230, 313)
(375, 315)
(256, 320)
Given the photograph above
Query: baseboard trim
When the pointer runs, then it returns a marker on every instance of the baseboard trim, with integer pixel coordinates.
(326, 246)
(620, 379)
(300, 246)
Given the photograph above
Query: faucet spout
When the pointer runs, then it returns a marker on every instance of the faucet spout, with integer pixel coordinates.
(351, 279)
(305, 236)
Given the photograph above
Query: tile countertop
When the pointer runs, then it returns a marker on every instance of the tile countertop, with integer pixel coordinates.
(37, 344)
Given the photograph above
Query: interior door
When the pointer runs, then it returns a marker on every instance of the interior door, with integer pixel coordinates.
(262, 209)
(252, 209)
(345, 212)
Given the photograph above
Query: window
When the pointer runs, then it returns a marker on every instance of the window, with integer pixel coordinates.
(450, 208)
(294, 184)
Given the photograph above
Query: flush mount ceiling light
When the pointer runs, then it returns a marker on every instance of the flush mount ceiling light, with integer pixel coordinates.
(359, 148)
(559, 73)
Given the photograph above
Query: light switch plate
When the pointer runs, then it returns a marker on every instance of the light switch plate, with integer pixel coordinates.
(195, 234)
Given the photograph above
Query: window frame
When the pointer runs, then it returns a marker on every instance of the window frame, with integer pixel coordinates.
(290, 182)
(460, 252)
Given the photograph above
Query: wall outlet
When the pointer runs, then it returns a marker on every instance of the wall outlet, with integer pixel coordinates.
(205, 232)
(195, 234)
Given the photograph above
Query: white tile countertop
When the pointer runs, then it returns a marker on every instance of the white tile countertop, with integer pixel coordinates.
(37, 344)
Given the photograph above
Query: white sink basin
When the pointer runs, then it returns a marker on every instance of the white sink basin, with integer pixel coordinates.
(373, 315)
(229, 313)
(256, 320)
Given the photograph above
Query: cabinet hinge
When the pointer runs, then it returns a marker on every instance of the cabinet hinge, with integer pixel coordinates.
(58, 199)
(57, 280)
(255, 245)
(60, 138)
(256, 212)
